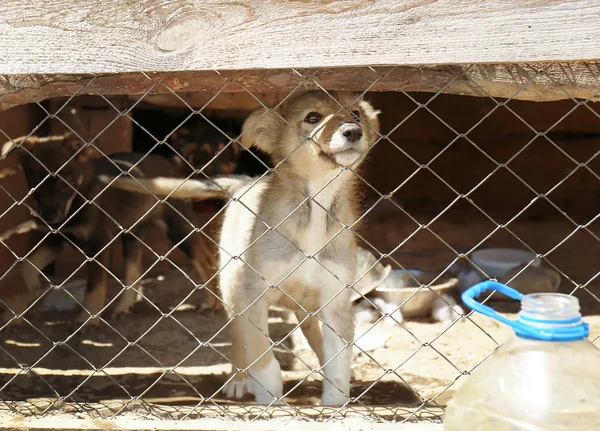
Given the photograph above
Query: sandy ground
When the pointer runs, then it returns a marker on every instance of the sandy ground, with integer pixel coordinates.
(179, 358)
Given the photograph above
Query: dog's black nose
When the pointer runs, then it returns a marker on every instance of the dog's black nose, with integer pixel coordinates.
(351, 131)
(50, 216)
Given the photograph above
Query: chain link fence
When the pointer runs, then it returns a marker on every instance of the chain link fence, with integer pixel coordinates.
(444, 176)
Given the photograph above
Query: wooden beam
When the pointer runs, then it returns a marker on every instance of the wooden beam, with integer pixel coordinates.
(240, 102)
(103, 36)
(135, 423)
(101, 416)
(537, 81)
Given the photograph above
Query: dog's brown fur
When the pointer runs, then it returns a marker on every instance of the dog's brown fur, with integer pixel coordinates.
(65, 174)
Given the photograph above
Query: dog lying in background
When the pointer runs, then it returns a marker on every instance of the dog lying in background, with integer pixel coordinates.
(65, 174)
(285, 237)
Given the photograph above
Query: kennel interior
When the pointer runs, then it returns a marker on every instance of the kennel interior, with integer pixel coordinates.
(462, 163)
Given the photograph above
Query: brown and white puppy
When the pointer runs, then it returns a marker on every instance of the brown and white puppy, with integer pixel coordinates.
(63, 176)
(285, 237)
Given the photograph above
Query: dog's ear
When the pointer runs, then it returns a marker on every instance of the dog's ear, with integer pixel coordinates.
(72, 143)
(369, 111)
(371, 114)
(21, 141)
(186, 153)
(261, 130)
(69, 140)
(9, 145)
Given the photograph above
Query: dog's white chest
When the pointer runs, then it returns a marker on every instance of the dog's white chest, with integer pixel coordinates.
(317, 269)
(323, 193)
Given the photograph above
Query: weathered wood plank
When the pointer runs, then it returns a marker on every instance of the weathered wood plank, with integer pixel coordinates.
(103, 36)
(271, 424)
(540, 82)
(193, 417)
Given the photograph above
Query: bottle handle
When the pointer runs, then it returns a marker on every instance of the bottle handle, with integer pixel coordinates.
(471, 293)
(578, 330)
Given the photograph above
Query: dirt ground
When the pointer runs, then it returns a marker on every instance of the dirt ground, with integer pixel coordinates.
(179, 358)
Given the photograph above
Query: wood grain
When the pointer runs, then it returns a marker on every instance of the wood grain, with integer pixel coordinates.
(104, 36)
(538, 81)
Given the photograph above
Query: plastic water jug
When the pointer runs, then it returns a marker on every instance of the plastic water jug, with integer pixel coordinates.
(546, 378)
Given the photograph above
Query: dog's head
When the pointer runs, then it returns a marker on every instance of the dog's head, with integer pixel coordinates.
(337, 128)
(203, 147)
(49, 165)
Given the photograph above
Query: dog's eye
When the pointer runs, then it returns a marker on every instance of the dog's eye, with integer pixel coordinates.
(356, 114)
(313, 118)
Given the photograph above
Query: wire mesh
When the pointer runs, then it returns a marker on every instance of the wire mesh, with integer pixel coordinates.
(444, 176)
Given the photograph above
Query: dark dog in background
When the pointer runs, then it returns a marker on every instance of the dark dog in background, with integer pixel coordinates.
(199, 147)
(207, 144)
(65, 174)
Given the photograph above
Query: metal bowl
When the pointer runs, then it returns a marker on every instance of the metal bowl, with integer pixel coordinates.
(496, 262)
(411, 290)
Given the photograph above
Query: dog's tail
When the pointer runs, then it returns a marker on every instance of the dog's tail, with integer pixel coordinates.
(217, 188)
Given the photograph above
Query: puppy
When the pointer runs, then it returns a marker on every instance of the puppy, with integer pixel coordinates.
(65, 177)
(285, 237)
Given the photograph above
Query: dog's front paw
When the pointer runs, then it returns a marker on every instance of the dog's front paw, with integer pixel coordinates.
(239, 386)
(124, 305)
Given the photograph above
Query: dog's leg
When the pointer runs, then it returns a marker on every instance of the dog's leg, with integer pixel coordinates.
(240, 383)
(311, 330)
(195, 246)
(31, 270)
(338, 332)
(132, 252)
(95, 295)
(252, 330)
(204, 262)
(43, 256)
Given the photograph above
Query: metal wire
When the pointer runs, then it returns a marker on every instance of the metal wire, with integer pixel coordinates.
(151, 394)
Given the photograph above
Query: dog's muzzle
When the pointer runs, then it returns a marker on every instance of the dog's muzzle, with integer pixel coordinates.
(51, 217)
